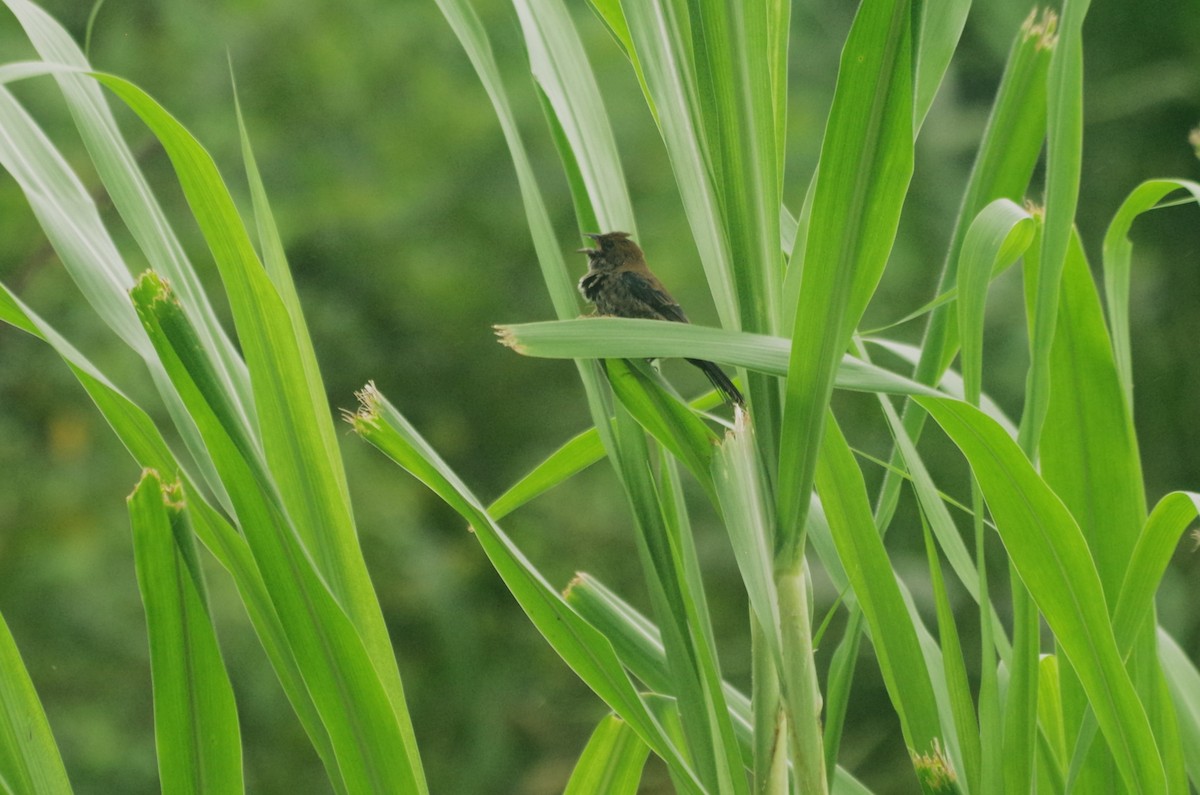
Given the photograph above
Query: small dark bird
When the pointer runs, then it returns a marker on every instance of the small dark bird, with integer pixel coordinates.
(619, 284)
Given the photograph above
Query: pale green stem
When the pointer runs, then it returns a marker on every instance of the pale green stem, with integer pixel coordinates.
(801, 692)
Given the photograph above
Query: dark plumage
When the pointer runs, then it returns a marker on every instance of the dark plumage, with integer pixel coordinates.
(619, 284)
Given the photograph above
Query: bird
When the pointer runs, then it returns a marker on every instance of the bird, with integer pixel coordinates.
(620, 284)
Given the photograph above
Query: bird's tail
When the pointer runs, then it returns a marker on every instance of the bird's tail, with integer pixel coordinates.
(720, 381)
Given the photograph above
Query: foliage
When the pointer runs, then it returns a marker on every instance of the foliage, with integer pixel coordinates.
(251, 464)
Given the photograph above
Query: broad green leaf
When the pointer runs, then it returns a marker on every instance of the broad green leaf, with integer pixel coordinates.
(1051, 555)
(29, 758)
(195, 716)
(611, 762)
(1149, 559)
(1089, 451)
(295, 423)
(866, 163)
(1089, 456)
(628, 338)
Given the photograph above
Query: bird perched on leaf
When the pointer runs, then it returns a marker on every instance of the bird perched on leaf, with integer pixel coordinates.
(619, 284)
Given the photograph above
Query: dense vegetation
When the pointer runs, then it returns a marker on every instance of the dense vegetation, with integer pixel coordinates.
(392, 194)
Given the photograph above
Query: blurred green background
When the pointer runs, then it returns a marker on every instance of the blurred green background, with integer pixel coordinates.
(400, 213)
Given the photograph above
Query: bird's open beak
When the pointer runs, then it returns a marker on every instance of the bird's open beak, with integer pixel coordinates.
(591, 252)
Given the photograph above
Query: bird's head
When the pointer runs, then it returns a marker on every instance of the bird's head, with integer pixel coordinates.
(613, 249)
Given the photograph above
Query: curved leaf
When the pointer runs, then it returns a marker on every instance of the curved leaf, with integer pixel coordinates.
(1052, 558)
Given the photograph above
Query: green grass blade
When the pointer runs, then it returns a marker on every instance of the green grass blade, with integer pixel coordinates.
(628, 338)
(584, 649)
(966, 727)
(866, 163)
(195, 716)
(573, 457)
(677, 595)
(310, 461)
(1148, 561)
(1051, 555)
(73, 227)
(1064, 156)
(939, 29)
(744, 493)
(1050, 718)
(736, 55)
(638, 644)
(1089, 451)
(1118, 263)
(660, 32)
(1011, 144)
(559, 64)
(844, 498)
(337, 670)
(146, 445)
(611, 762)
(559, 283)
(29, 758)
(1089, 456)
(1184, 682)
(996, 238)
(935, 512)
(664, 417)
(130, 192)
(951, 383)
(613, 16)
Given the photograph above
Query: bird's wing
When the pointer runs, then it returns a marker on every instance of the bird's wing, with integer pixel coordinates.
(589, 285)
(653, 296)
